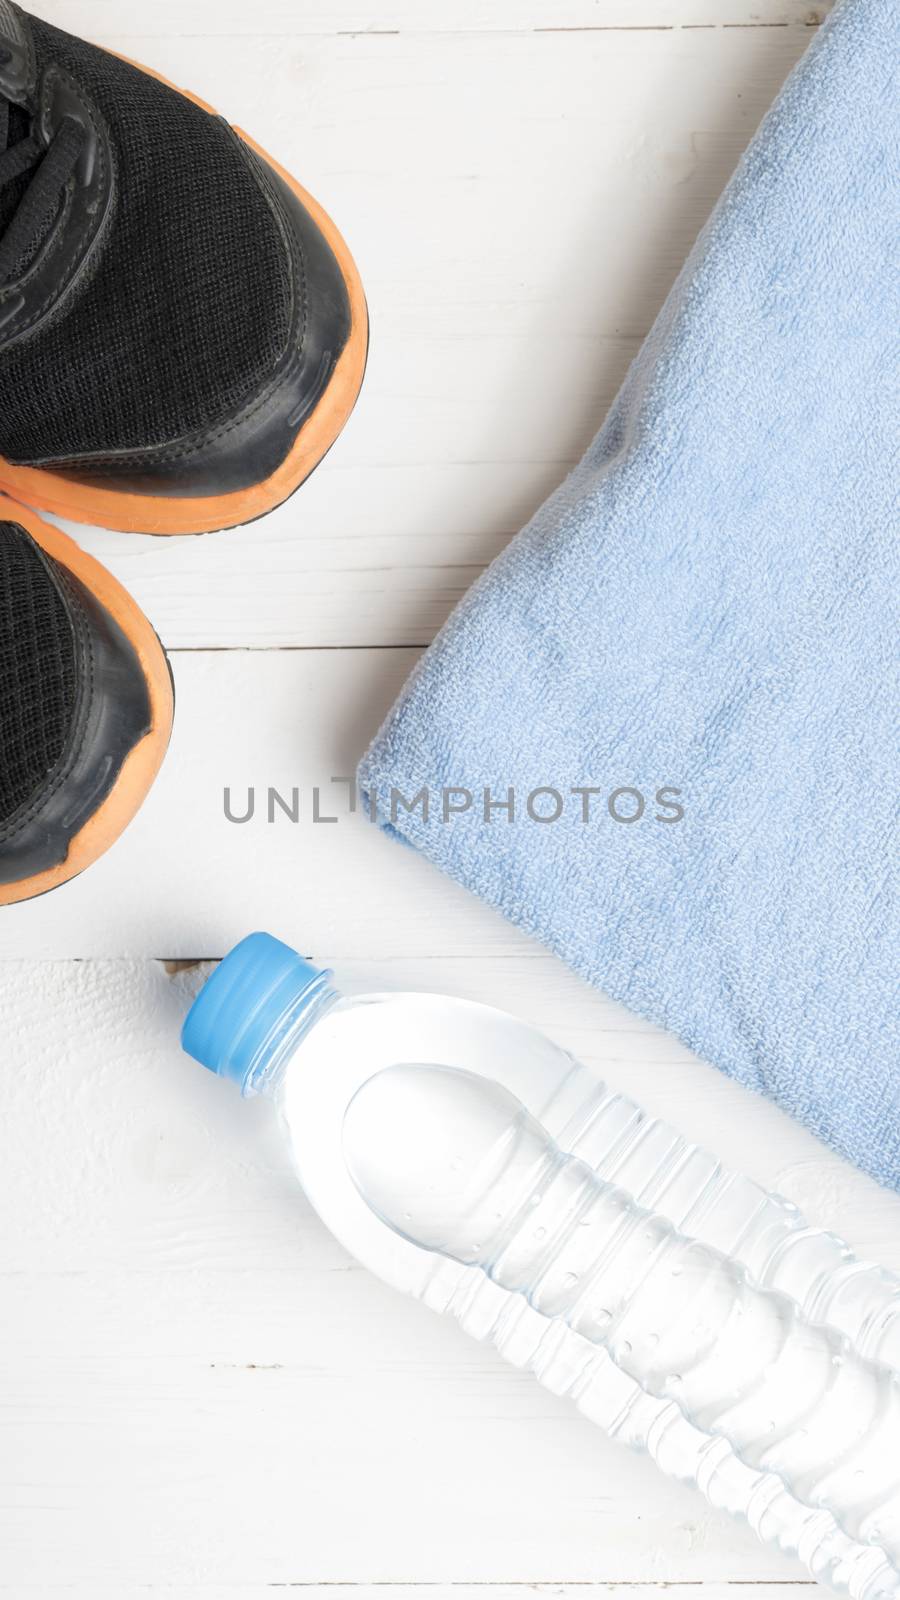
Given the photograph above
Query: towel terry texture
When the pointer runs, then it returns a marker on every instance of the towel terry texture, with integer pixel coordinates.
(709, 603)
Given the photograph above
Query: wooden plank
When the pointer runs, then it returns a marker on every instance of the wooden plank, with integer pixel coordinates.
(185, 881)
(437, 1591)
(519, 204)
(299, 17)
(202, 1389)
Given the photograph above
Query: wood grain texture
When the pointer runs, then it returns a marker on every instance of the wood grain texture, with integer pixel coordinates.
(202, 1389)
(184, 881)
(443, 1591)
(211, 18)
(740, 1590)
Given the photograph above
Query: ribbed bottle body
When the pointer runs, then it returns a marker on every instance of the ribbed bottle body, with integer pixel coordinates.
(659, 1170)
(764, 1234)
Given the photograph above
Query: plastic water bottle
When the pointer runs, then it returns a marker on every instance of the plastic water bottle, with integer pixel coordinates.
(463, 1157)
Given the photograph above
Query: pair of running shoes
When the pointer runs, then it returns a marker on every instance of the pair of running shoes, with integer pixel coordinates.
(183, 335)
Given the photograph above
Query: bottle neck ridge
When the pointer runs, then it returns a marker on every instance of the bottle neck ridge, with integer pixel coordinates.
(266, 1071)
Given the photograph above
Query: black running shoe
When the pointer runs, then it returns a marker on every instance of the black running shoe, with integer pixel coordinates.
(183, 333)
(85, 707)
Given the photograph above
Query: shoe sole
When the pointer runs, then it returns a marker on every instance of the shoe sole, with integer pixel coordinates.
(143, 762)
(139, 513)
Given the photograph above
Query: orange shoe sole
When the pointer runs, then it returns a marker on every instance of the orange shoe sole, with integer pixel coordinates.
(139, 513)
(141, 766)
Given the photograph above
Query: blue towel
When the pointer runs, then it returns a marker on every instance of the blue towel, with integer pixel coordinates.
(708, 605)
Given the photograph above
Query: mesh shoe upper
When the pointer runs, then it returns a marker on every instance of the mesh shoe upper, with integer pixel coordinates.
(38, 676)
(14, 125)
(188, 305)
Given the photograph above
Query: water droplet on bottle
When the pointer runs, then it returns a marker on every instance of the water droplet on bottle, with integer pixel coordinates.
(570, 1280)
(602, 1316)
(540, 1233)
(675, 1381)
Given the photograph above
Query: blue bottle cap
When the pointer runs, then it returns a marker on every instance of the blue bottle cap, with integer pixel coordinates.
(251, 1004)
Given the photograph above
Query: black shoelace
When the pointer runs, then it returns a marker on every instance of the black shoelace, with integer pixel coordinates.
(53, 166)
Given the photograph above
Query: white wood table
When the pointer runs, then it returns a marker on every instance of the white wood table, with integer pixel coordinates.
(204, 1399)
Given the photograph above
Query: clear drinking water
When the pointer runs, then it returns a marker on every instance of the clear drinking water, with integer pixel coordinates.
(465, 1158)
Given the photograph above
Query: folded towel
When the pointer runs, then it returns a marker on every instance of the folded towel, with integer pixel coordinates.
(707, 605)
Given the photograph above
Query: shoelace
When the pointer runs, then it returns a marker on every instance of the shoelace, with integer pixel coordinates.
(54, 165)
